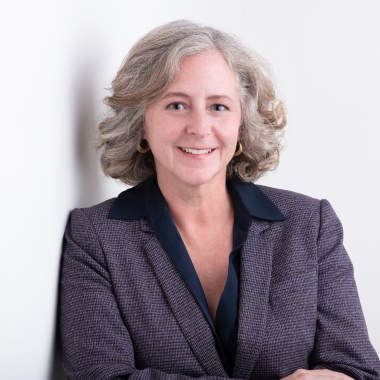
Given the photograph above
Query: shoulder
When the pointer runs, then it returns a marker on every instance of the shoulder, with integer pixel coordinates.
(303, 210)
(94, 214)
(285, 196)
(84, 223)
(292, 203)
(92, 227)
(131, 204)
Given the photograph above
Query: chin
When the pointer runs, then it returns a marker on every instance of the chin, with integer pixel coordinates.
(199, 178)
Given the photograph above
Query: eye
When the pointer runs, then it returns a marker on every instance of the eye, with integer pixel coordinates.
(176, 106)
(218, 107)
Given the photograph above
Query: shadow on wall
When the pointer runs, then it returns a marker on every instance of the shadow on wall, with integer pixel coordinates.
(86, 105)
(86, 173)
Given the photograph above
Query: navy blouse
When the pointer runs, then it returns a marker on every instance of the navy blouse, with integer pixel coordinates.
(146, 200)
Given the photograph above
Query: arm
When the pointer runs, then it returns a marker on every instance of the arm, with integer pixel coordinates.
(341, 340)
(95, 342)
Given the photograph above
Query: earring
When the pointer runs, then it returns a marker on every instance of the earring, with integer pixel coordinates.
(239, 149)
(144, 149)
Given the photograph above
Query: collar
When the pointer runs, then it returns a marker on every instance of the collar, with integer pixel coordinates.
(146, 200)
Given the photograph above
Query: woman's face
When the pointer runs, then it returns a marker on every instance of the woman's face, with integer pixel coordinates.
(193, 126)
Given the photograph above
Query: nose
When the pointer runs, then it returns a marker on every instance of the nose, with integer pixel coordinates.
(199, 123)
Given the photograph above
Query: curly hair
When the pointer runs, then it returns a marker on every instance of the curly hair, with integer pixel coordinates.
(151, 66)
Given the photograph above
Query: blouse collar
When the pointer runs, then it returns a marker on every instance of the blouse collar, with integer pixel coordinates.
(146, 200)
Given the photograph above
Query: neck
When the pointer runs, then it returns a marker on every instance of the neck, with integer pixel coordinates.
(203, 205)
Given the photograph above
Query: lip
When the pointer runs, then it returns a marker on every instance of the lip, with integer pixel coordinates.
(196, 151)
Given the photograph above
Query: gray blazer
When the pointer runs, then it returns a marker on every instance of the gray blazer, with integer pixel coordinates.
(127, 313)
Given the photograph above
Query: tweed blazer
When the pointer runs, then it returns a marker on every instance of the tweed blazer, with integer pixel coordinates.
(126, 312)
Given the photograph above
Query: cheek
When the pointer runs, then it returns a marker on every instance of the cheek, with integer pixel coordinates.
(151, 132)
(232, 134)
(161, 138)
(152, 123)
(158, 129)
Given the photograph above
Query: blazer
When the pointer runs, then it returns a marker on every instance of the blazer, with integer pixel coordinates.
(126, 312)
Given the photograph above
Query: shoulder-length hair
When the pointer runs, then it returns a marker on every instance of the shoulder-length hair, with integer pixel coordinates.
(151, 66)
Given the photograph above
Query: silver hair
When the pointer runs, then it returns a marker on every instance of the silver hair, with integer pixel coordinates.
(150, 67)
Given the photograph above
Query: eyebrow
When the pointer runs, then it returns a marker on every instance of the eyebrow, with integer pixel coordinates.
(183, 95)
(179, 94)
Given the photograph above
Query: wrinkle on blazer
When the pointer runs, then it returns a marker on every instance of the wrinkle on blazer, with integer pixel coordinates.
(127, 313)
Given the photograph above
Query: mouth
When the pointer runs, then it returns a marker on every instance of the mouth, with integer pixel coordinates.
(197, 151)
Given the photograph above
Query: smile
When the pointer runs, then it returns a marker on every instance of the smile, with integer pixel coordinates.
(196, 151)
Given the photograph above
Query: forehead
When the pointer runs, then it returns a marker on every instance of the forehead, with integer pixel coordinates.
(208, 68)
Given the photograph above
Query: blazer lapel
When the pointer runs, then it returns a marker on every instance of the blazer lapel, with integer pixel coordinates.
(187, 312)
(255, 275)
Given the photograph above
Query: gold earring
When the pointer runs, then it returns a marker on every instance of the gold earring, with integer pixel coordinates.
(239, 149)
(145, 149)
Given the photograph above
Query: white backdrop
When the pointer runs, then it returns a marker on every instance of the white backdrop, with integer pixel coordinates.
(56, 59)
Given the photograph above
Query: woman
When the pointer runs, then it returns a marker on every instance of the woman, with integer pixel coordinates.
(196, 271)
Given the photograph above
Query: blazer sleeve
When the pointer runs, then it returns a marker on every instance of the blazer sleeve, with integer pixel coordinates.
(95, 342)
(341, 341)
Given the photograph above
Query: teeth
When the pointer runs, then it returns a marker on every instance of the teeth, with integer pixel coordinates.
(196, 151)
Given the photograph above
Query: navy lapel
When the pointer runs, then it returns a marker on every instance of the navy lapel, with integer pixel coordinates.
(187, 312)
(255, 275)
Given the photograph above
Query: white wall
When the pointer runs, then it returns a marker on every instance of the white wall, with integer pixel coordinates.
(57, 57)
